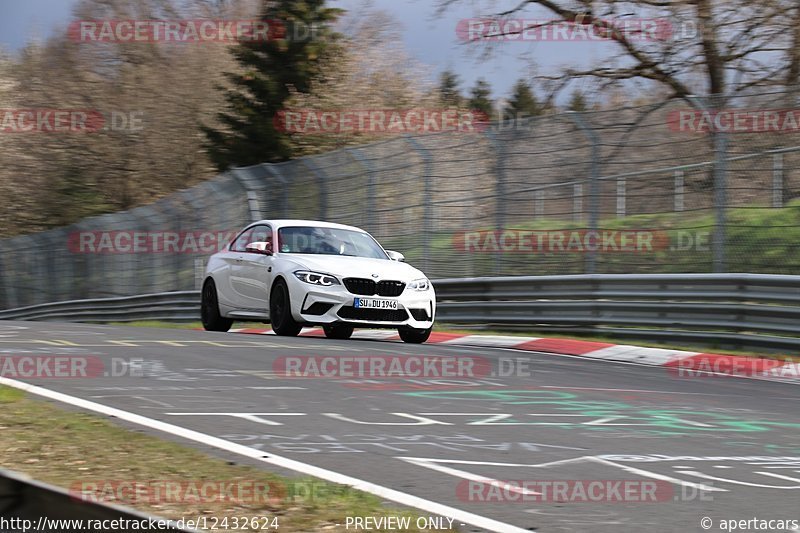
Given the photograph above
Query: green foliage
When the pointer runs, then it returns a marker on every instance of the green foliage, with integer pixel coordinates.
(72, 198)
(523, 102)
(480, 97)
(449, 90)
(577, 102)
(270, 70)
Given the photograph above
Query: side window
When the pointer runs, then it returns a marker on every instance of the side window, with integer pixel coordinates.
(242, 240)
(254, 234)
(262, 234)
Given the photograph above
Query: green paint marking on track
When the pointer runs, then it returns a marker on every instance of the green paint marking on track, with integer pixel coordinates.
(608, 415)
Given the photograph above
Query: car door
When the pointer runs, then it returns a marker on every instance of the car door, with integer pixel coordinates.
(229, 258)
(227, 277)
(251, 274)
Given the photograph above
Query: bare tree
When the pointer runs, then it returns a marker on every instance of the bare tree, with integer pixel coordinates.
(152, 97)
(699, 47)
(374, 71)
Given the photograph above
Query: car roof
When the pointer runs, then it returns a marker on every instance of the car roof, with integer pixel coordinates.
(307, 223)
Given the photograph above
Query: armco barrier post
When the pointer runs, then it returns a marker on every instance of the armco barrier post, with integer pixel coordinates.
(427, 219)
(594, 185)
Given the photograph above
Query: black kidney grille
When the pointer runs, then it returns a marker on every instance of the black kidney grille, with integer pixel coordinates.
(367, 287)
(391, 288)
(360, 286)
(373, 315)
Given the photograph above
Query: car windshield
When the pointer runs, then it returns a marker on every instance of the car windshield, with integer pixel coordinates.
(328, 241)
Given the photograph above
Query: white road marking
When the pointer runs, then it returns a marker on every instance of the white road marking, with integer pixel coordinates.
(506, 487)
(252, 417)
(488, 341)
(435, 464)
(304, 468)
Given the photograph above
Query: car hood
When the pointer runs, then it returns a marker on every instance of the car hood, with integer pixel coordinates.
(356, 267)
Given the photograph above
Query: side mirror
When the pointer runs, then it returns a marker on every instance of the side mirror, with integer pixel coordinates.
(263, 248)
(395, 256)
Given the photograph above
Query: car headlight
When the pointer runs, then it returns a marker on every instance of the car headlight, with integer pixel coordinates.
(316, 278)
(421, 284)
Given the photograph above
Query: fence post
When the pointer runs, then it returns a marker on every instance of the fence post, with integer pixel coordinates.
(777, 180)
(500, 193)
(577, 202)
(594, 185)
(323, 185)
(720, 199)
(276, 173)
(621, 199)
(8, 297)
(199, 272)
(538, 204)
(364, 162)
(427, 218)
(240, 174)
(679, 191)
(720, 140)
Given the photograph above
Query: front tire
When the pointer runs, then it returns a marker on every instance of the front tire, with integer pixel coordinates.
(280, 311)
(415, 336)
(209, 309)
(338, 331)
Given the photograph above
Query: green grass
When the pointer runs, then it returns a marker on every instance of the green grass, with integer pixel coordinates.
(67, 448)
(758, 240)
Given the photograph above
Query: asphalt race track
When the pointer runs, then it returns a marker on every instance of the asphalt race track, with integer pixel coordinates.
(723, 448)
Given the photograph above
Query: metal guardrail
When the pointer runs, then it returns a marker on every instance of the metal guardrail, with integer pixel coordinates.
(22, 498)
(180, 306)
(734, 311)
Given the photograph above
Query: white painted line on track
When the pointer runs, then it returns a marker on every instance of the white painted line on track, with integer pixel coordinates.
(488, 341)
(402, 498)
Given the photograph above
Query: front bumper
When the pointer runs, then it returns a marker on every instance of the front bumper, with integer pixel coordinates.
(328, 305)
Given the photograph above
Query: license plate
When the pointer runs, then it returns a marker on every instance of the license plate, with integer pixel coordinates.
(374, 303)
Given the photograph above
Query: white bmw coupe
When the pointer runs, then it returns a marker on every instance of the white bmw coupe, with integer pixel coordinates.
(294, 273)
